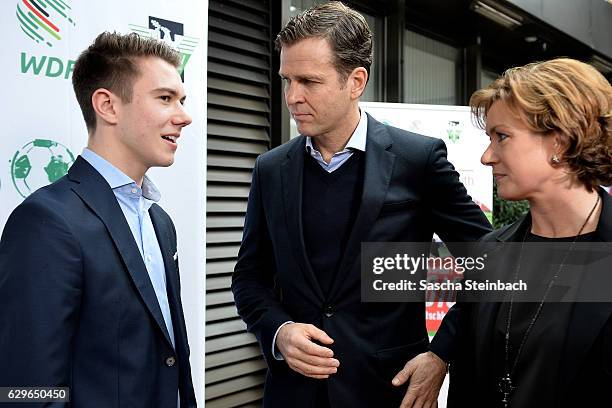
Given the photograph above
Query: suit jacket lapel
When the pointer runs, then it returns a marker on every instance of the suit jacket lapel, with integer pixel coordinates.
(585, 325)
(587, 319)
(292, 174)
(379, 162)
(164, 238)
(95, 192)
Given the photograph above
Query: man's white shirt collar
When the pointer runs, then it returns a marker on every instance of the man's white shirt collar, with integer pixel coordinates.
(357, 140)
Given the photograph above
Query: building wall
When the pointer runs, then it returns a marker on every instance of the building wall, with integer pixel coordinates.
(589, 21)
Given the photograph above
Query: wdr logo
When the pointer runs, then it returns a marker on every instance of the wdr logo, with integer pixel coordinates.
(39, 19)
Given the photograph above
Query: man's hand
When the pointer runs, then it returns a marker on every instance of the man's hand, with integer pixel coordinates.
(426, 373)
(295, 342)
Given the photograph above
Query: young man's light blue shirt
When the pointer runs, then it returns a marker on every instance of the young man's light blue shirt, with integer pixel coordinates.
(135, 203)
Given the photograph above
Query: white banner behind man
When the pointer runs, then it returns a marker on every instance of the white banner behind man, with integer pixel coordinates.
(45, 131)
(465, 142)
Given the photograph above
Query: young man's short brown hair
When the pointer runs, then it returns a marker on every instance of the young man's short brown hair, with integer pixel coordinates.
(346, 30)
(111, 63)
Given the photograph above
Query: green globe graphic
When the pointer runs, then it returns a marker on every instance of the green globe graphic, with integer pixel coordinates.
(38, 163)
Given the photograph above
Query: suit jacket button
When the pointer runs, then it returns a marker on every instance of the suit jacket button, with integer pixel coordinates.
(329, 311)
(170, 361)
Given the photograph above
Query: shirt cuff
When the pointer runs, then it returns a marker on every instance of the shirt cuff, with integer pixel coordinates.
(275, 353)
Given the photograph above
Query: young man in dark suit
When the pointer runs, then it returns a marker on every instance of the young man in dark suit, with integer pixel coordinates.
(89, 279)
(347, 179)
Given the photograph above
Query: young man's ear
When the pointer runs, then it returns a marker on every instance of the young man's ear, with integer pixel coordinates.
(104, 103)
(357, 80)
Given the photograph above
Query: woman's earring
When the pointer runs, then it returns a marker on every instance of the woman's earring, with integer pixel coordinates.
(555, 159)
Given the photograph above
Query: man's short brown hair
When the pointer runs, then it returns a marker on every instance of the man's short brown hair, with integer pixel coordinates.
(111, 63)
(564, 96)
(345, 29)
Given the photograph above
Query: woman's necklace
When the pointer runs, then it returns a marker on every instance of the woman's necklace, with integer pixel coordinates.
(505, 384)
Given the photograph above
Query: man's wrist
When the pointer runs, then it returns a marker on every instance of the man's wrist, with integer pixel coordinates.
(275, 352)
(438, 360)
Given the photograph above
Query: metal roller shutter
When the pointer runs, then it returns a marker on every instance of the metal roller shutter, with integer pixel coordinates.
(239, 52)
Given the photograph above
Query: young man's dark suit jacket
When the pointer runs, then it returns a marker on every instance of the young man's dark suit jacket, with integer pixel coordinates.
(585, 370)
(410, 191)
(78, 307)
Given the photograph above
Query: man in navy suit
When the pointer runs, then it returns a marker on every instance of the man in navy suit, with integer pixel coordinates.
(347, 179)
(89, 278)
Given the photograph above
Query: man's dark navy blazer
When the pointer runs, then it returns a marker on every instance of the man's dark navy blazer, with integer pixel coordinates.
(78, 308)
(410, 191)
